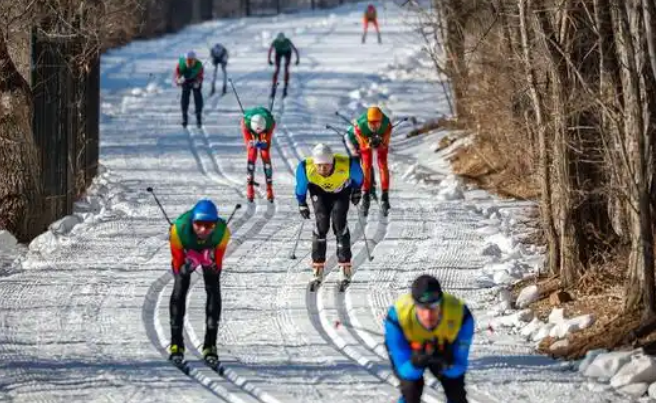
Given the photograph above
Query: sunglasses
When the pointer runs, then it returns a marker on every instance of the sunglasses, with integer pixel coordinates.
(205, 224)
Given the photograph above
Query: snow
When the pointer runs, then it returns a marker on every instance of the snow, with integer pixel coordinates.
(84, 309)
(527, 296)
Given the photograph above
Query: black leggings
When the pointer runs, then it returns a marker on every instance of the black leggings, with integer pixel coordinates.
(329, 206)
(178, 306)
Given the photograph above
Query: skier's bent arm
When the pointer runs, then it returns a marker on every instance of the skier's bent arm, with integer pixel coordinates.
(220, 249)
(177, 249)
(270, 51)
(399, 348)
(301, 183)
(387, 135)
(295, 51)
(356, 175)
(461, 346)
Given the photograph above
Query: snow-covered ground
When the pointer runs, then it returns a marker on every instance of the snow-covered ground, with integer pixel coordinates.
(84, 311)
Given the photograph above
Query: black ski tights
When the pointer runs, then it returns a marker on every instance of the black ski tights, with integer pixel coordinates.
(178, 306)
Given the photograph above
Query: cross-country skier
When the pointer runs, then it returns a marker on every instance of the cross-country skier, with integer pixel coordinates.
(353, 148)
(373, 131)
(219, 57)
(429, 329)
(332, 180)
(257, 127)
(189, 76)
(198, 237)
(370, 16)
(283, 47)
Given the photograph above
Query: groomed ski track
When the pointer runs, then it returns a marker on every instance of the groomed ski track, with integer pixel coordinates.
(88, 320)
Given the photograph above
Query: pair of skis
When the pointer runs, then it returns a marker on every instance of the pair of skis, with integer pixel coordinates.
(316, 283)
(212, 362)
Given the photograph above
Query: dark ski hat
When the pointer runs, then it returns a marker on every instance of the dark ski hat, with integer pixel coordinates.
(426, 291)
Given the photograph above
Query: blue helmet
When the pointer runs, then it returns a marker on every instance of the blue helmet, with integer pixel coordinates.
(204, 210)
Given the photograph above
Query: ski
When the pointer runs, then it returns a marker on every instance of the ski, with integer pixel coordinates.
(343, 285)
(314, 285)
(181, 364)
(215, 365)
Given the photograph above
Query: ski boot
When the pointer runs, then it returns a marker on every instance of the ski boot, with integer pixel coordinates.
(366, 202)
(213, 90)
(380, 40)
(317, 270)
(250, 191)
(364, 36)
(269, 192)
(199, 121)
(225, 89)
(346, 272)
(185, 121)
(273, 92)
(176, 353)
(284, 92)
(384, 203)
(211, 358)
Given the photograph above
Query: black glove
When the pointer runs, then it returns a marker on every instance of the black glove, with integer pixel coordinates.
(298, 61)
(356, 196)
(270, 63)
(304, 210)
(375, 141)
(420, 359)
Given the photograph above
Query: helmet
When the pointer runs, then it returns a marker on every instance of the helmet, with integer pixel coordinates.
(426, 291)
(191, 54)
(370, 7)
(258, 123)
(322, 154)
(204, 210)
(374, 114)
(280, 36)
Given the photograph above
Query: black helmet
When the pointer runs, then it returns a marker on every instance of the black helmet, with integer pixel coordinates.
(426, 291)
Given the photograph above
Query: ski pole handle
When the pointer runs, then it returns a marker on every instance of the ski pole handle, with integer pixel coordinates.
(151, 191)
(336, 130)
(236, 96)
(237, 207)
(398, 122)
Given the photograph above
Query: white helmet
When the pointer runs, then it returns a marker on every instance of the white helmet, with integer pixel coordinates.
(258, 123)
(322, 154)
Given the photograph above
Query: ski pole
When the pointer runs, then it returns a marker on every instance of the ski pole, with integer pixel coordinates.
(343, 117)
(336, 130)
(339, 323)
(236, 96)
(150, 190)
(273, 99)
(364, 236)
(237, 207)
(398, 122)
(298, 236)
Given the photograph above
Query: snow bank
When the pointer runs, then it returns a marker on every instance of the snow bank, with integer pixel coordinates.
(630, 372)
(527, 296)
(451, 188)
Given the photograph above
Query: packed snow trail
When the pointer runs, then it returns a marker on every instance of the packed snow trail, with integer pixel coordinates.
(85, 315)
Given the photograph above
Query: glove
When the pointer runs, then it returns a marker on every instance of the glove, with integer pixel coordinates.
(252, 143)
(356, 196)
(197, 84)
(375, 141)
(298, 61)
(420, 359)
(304, 210)
(270, 63)
(261, 144)
(180, 80)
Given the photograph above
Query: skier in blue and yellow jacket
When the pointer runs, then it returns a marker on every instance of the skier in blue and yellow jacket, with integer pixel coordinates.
(429, 329)
(332, 180)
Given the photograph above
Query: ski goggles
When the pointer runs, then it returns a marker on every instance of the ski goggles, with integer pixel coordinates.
(429, 301)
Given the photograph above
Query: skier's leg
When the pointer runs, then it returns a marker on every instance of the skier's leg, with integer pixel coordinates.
(251, 159)
(184, 102)
(198, 103)
(454, 389)
(212, 279)
(322, 208)
(225, 76)
(375, 22)
(383, 169)
(177, 307)
(367, 157)
(365, 22)
(275, 74)
(340, 226)
(268, 171)
(216, 69)
(288, 59)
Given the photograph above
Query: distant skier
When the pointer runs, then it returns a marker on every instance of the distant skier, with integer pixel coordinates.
(283, 47)
(373, 131)
(332, 180)
(257, 126)
(370, 16)
(353, 148)
(198, 237)
(219, 57)
(189, 76)
(429, 329)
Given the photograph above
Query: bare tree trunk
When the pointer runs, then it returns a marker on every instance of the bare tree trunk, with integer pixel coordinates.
(20, 192)
(640, 286)
(454, 41)
(649, 10)
(546, 212)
